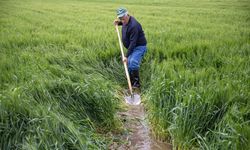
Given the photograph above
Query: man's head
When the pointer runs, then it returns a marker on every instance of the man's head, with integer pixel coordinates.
(123, 15)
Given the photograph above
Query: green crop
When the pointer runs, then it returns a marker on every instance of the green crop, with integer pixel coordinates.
(61, 73)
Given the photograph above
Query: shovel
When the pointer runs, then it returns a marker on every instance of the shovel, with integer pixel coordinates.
(133, 98)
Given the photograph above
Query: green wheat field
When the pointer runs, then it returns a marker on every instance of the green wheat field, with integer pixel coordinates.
(61, 75)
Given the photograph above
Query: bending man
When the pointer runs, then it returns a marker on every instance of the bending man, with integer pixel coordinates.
(134, 40)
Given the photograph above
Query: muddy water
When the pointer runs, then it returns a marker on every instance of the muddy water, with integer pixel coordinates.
(138, 133)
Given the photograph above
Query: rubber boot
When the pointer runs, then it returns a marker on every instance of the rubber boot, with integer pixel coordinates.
(135, 79)
(131, 76)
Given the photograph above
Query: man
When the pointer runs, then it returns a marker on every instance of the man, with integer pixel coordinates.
(134, 40)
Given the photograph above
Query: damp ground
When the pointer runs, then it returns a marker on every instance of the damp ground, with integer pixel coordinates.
(137, 134)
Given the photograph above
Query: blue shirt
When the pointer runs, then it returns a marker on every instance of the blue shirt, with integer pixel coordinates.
(133, 35)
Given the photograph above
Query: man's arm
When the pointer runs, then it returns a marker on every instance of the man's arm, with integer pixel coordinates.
(133, 39)
(119, 23)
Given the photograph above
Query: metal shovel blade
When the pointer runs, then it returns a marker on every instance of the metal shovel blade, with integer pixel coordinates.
(134, 99)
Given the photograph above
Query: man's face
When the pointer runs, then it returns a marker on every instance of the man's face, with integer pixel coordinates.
(124, 19)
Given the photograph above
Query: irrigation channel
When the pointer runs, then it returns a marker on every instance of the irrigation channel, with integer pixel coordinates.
(138, 134)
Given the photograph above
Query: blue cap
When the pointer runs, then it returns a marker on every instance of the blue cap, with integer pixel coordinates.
(121, 12)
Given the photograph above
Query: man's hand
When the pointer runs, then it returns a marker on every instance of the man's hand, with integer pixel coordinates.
(116, 21)
(125, 59)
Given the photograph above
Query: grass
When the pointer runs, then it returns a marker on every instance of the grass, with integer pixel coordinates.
(61, 74)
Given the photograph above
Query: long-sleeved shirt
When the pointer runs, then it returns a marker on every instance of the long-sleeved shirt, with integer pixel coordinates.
(132, 35)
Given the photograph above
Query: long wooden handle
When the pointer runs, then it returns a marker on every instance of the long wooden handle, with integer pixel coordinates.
(125, 64)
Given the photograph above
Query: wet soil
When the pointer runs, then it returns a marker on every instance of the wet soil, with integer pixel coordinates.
(137, 132)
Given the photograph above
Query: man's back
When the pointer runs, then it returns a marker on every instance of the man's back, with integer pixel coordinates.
(133, 32)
